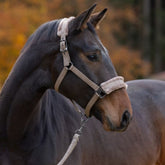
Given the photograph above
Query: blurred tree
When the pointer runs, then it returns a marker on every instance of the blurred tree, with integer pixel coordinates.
(129, 63)
(158, 33)
(17, 22)
(148, 34)
(134, 28)
(146, 30)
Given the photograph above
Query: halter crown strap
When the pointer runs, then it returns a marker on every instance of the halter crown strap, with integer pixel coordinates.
(63, 26)
(62, 32)
(101, 90)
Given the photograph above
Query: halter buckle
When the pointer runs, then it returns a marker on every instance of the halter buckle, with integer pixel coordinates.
(63, 46)
(100, 92)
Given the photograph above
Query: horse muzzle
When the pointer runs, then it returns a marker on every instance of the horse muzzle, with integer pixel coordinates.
(114, 111)
(109, 126)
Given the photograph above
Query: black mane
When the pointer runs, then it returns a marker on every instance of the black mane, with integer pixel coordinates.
(46, 33)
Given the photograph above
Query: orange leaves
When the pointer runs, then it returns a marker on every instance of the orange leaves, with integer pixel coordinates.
(19, 41)
(16, 24)
(129, 63)
(19, 19)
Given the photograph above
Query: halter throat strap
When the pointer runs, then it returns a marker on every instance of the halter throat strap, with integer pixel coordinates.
(100, 90)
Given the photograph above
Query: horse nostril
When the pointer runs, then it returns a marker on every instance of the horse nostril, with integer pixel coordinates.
(125, 119)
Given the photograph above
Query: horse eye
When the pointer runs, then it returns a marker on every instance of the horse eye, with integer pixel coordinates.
(93, 57)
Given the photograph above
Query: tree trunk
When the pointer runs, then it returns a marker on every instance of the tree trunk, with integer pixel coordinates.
(146, 30)
(158, 56)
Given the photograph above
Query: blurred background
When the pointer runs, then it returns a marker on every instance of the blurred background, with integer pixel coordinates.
(133, 31)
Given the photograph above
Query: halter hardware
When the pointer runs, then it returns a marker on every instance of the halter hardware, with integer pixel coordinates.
(101, 90)
(101, 93)
(63, 46)
(69, 67)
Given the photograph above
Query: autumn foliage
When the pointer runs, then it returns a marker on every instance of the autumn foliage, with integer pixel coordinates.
(19, 19)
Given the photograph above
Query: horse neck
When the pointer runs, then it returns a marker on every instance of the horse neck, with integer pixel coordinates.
(23, 89)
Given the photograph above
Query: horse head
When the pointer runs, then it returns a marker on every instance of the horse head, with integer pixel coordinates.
(83, 55)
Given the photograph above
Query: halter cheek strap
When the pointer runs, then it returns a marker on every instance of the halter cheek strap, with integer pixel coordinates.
(101, 90)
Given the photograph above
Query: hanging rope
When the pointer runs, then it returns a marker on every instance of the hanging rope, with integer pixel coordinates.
(75, 138)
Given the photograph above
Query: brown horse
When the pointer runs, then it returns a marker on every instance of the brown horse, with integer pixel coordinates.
(37, 124)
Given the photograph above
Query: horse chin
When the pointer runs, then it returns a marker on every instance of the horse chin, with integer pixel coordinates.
(113, 129)
(108, 126)
(106, 122)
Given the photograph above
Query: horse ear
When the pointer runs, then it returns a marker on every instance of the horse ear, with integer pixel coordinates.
(80, 22)
(96, 18)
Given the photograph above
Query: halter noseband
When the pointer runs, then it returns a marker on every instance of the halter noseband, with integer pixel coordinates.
(101, 90)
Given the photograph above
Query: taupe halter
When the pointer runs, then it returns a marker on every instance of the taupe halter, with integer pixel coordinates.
(101, 90)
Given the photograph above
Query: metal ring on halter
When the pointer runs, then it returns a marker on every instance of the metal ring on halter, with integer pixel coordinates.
(101, 93)
(70, 66)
